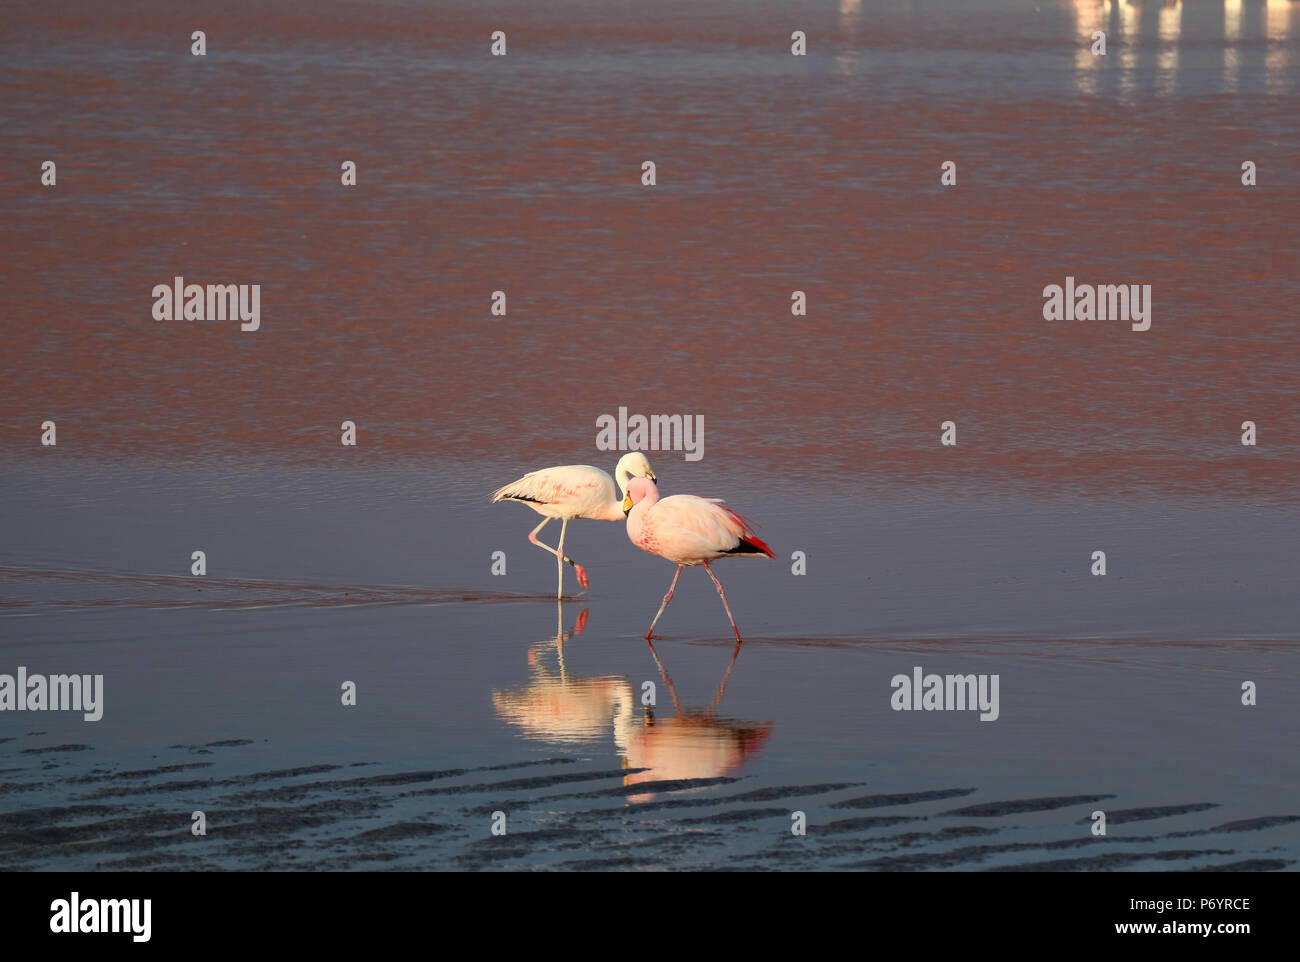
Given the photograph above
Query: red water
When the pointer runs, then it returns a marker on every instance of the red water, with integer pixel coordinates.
(775, 174)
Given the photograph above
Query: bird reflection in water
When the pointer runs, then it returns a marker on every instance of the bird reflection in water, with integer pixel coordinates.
(555, 706)
(692, 743)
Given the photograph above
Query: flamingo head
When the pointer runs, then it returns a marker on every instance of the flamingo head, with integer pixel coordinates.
(638, 489)
(632, 465)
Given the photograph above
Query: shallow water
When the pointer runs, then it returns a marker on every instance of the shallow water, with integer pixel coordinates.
(1118, 693)
(372, 564)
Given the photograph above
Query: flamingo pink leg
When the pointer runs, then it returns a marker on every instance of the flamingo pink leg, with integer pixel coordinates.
(667, 598)
(723, 595)
(579, 569)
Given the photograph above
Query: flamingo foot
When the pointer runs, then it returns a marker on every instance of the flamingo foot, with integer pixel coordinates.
(582, 575)
(580, 625)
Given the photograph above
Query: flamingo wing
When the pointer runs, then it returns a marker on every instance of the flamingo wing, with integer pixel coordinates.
(570, 485)
(703, 528)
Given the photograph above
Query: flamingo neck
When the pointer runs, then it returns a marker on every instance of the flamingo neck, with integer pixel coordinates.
(612, 511)
(646, 502)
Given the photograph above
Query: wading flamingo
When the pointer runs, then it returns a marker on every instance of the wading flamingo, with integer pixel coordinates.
(688, 531)
(574, 491)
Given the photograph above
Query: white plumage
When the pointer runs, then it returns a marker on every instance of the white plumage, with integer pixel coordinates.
(574, 491)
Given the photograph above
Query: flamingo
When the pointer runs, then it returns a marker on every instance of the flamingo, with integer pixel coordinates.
(574, 491)
(688, 531)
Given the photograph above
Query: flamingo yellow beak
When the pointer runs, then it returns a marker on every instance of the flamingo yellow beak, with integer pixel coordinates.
(627, 503)
(651, 476)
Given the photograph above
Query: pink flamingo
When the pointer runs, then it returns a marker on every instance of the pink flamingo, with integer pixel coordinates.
(688, 531)
(574, 491)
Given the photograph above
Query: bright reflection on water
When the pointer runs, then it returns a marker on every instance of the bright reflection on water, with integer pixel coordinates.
(655, 742)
